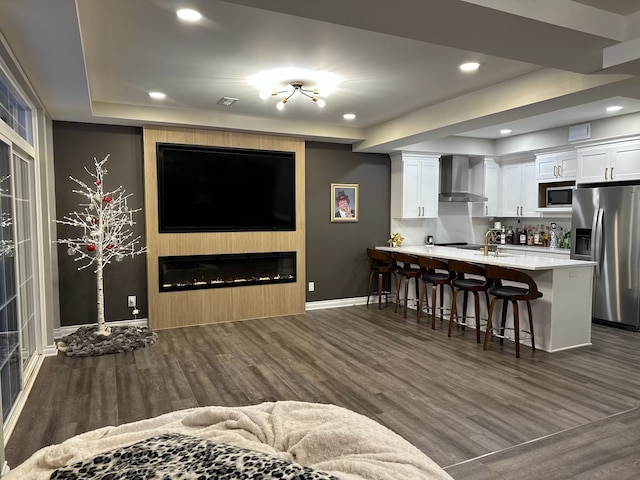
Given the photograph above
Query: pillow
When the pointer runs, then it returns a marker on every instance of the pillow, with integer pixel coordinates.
(177, 456)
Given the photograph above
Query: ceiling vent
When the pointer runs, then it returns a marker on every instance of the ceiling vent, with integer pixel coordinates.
(227, 101)
(579, 132)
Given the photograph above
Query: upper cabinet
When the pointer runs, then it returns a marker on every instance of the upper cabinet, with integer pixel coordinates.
(557, 166)
(614, 162)
(415, 180)
(485, 180)
(519, 190)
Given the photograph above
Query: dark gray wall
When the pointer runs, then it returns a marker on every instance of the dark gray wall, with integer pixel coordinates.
(75, 145)
(336, 252)
(336, 259)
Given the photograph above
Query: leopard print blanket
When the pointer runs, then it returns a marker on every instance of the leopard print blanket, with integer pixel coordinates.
(182, 457)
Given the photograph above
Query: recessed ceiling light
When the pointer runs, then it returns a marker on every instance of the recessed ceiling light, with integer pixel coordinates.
(505, 131)
(349, 116)
(614, 108)
(469, 66)
(157, 95)
(189, 14)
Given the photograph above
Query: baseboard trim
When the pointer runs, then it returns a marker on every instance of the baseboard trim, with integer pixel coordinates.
(64, 331)
(337, 303)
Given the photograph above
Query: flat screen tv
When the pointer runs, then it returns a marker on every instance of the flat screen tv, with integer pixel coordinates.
(214, 189)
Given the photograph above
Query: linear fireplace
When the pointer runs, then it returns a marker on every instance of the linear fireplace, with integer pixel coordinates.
(192, 272)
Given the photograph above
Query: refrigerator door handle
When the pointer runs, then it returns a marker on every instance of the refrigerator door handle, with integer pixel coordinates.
(597, 248)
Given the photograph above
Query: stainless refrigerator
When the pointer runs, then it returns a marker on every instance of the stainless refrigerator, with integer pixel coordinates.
(605, 228)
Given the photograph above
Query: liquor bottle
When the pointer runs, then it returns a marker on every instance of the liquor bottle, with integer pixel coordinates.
(553, 236)
(503, 236)
(545, 237)
(510, 236)
(536, 235)
(522, 235)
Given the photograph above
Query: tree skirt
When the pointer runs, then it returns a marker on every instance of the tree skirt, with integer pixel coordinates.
(85, 342)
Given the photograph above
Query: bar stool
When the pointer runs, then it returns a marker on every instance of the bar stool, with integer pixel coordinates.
(407, 269)
(513, 294)
(437, 273)
(382, 263)
(461, 283)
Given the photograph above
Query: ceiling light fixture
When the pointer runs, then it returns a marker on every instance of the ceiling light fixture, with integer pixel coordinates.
(505, 131)
(189, 14)
(157, 95)
(290, 91)
(349, 116)
(614, 108)
(469, 66)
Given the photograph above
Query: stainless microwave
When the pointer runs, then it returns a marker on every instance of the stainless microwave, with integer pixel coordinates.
(559, 196)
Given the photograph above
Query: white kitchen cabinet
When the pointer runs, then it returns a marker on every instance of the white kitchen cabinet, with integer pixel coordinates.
(519, 190)
(615, 162)
(414, 185)
(485, 181)
(556, 166)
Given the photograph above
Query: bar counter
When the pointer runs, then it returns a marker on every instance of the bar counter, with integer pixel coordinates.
(562, 317)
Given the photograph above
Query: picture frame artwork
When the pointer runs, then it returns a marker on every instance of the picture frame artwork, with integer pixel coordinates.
(344, 202)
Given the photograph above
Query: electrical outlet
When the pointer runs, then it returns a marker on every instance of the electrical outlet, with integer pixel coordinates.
(131, 301)
(312, 286)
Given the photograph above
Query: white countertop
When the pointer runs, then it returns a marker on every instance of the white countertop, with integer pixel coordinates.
(523, 262)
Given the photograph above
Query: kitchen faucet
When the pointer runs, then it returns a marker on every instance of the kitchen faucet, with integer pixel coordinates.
(489, 236)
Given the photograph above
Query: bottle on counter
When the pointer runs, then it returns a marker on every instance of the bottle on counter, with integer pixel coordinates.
(503, 236)
(530, 235)
(536, 235)
(509, 238)
(553, 236)
(522, 235)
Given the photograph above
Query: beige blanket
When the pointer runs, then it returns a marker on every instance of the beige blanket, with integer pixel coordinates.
(324, 437)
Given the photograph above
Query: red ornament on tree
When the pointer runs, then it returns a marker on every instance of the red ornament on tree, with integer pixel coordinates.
(107, 199)
(109, 247)
(91, 247)
(94, 220)
(97, 182)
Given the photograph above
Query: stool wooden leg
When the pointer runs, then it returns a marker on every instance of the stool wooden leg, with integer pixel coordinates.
(487, 332)
(434, 289)
(465, 302)
(533, 343)
(505, 305)
(476, 304)
(421, 300)
(370, 285)
(516, 327)
(454, 311)
(406, 294)
(379, 291)
(397, 302)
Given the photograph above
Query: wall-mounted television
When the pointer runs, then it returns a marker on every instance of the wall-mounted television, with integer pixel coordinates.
(215, 189)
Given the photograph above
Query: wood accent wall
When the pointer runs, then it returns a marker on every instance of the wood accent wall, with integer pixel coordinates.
(197, 307)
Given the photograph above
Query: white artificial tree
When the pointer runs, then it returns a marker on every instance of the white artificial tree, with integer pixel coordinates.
(104, 220)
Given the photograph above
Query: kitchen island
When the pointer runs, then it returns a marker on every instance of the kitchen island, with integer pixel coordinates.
(562, 317)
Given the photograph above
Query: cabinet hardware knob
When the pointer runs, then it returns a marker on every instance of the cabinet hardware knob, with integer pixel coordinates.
(560, 170)
(486, 210)
(611, 173)
(555, 171)
(606, 171)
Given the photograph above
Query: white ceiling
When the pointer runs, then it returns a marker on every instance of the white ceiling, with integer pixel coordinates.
(541, 64)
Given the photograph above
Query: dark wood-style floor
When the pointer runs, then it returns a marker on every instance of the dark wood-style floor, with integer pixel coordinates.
(480, 414)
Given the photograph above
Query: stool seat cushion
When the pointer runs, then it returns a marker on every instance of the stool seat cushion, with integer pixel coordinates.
(467, 282)
(409, 271)
(506, 291)
(436, 276)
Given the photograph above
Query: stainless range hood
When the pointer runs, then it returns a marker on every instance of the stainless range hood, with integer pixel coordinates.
(454, 180)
